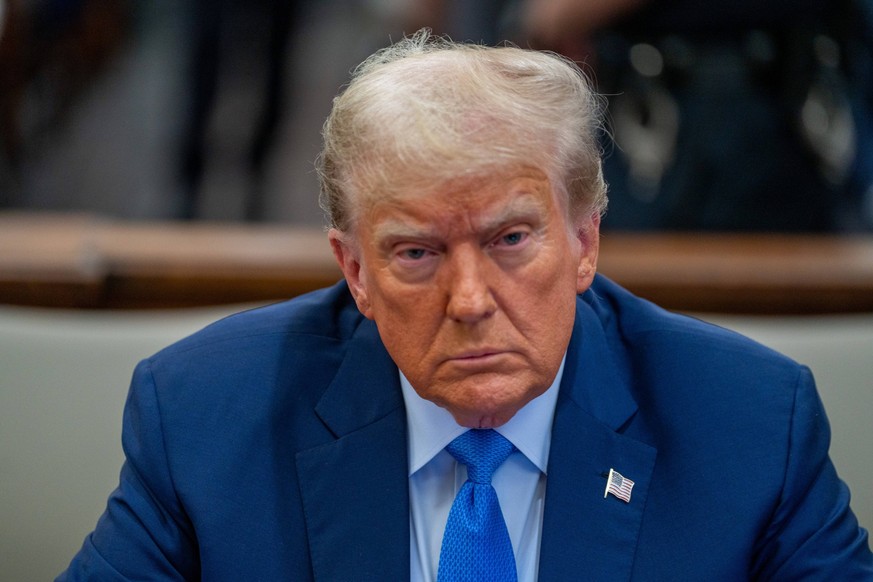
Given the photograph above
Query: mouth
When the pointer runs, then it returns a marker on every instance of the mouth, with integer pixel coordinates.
(482, 356)
(477, 353)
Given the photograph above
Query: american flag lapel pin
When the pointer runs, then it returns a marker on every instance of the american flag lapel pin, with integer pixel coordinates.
(619, 486)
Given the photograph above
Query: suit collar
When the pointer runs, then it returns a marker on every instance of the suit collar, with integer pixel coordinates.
(582, 530)
(596, 379)
(354, 489)
(366, 385)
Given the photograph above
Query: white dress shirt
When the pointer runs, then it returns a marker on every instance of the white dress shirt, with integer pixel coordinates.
(435, 478)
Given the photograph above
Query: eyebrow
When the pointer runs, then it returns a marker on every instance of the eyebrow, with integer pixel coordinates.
(522, 207)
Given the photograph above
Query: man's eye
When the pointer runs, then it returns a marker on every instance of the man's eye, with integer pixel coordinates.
(513, 238)
(414, 254)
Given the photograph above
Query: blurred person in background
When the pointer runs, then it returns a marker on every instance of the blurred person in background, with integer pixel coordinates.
(50, 53)
(733, 116)
(246, 43)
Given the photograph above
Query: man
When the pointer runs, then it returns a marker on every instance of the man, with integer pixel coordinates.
(317, 439)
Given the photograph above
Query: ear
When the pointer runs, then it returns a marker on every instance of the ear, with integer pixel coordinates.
(347, 255)
(588, 233)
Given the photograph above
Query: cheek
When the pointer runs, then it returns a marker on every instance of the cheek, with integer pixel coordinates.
(408, 322)
(554, 274)
(545, 302)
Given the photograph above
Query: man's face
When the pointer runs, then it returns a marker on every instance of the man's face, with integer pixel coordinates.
(473, 289)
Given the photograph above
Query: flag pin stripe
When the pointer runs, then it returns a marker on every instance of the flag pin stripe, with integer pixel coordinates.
(619, 486)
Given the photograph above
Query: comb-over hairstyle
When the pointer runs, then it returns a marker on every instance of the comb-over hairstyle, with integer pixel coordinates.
(426, 111)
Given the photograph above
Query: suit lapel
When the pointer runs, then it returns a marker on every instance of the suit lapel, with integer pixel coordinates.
(585, 534)
(354, 489)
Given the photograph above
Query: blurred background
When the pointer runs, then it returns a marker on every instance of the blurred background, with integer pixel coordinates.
(174, 109)
(157, 172)
(747, 116)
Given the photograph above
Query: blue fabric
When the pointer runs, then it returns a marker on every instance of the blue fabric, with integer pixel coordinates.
(476, 544)
(263, 448)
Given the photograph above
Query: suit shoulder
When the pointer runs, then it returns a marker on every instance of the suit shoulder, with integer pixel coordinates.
(649, 331)
(327, 314)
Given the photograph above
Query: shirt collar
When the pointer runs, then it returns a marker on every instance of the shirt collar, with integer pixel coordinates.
(431, 427)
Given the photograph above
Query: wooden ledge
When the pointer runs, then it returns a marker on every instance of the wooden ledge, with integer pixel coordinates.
(87, 262)
(744, 274)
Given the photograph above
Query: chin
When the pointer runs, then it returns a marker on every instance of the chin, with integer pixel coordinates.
(492, 422)
(480, 404)
(480, 419)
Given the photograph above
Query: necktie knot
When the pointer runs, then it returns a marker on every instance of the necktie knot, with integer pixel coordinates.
(482, 451)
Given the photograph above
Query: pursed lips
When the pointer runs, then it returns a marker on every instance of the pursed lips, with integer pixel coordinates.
(477, 354)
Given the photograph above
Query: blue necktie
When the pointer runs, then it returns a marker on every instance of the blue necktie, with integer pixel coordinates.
(476, 544)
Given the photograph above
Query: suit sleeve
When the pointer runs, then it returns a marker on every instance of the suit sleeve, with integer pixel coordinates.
(144, 532)
(813, 534)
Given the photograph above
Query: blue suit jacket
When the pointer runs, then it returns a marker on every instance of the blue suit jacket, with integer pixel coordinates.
(272, 446)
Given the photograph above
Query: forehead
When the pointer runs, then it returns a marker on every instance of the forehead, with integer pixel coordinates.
(463, 204)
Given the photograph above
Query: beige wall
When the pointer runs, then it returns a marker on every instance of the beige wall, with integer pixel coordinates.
(64, 377)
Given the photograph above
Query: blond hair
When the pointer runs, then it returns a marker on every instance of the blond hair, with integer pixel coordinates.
(426, 111)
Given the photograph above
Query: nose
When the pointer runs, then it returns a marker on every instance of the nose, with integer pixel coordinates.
(470, 295)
